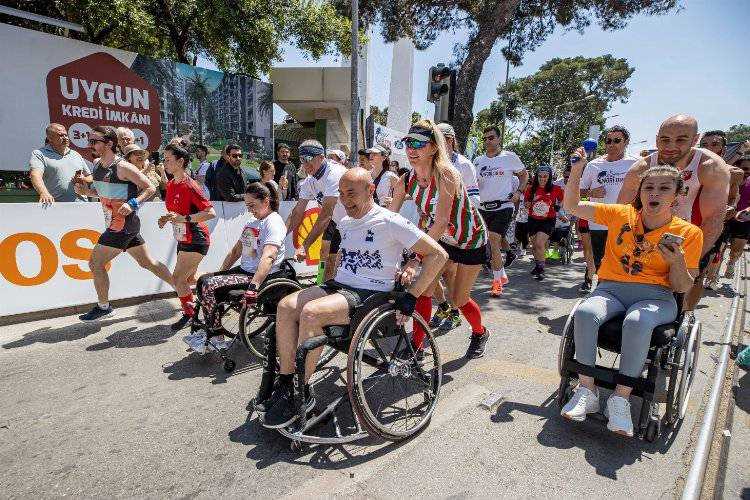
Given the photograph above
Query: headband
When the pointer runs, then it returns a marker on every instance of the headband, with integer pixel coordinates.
(311, 151)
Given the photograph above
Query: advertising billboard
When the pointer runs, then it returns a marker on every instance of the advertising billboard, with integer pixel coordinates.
(82, 85)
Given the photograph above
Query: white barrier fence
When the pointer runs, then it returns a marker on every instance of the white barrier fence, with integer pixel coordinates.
(44, 252)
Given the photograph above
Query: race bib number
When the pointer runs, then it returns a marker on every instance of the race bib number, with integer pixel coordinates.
(180, 231)
(540, 208)
(248, 242)
(107, 217)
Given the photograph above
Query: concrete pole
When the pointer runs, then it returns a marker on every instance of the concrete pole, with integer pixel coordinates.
(355, 82)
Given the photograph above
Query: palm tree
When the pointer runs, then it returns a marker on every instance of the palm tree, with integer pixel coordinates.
(265, 98)
(177, 108)
(198, 91)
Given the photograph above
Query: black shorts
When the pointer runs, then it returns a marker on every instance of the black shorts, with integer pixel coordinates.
(355, 297)
(545, 226)
(192, 247)
(332, 235)
(598, 244)
(123, 241)
(559, 234)
(738, 230)
(498, 221)
(468, 257)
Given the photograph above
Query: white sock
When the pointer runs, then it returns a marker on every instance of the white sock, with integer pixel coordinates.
(103, 305)
(496, 275)
(503, 274)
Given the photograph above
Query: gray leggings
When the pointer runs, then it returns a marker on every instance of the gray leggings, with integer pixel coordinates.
(645, 307)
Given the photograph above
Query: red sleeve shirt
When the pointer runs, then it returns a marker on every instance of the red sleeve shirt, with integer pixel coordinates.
(187, 198)
(543, 203)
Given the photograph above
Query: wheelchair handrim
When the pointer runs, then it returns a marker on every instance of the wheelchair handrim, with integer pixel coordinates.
(358, 392)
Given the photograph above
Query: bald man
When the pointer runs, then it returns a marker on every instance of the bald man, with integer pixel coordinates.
(373, 240)
(53, 167)
(706, 178)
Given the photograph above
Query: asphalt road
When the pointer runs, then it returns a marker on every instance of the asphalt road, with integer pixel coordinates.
(120, 409)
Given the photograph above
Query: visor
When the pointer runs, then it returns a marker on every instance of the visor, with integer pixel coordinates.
(447, 129)
(419, 133)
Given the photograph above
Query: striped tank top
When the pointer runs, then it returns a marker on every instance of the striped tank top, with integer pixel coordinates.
(466, 229)
(113, 193)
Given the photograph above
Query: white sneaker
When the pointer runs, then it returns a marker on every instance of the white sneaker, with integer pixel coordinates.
(189, 339)
(198, 344)
(729, 273)
(713, 283)
(618, 412)
(583, 402)
(221, 344)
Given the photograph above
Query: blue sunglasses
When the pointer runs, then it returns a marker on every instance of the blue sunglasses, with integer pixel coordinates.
(414, 143)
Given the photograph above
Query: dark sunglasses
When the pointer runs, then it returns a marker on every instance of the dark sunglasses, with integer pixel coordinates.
(94, 140)
(414, 144)
(616, 140)
(712, 143)
(236, 155)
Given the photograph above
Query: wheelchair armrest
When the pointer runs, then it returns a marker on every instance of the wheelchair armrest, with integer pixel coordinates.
(236, 294)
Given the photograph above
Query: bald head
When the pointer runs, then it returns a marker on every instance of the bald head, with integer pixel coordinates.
(681, 121)
(57, 137)
(355, 192)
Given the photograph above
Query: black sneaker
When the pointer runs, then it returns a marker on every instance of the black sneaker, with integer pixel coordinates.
(476, 345)
(510, 257)
(585, 286)
(537, 270)
(96, 313)
(280, 410)
(180, 323)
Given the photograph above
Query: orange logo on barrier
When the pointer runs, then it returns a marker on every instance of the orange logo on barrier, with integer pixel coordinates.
(300, 233)
(48, 256)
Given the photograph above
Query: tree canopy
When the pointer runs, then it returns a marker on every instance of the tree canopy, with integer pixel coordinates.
(241, 35)
(522, 24)
(738, 133)
(566, 95)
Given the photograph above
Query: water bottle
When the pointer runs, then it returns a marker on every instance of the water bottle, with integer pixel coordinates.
(743, 358)
(321, 273)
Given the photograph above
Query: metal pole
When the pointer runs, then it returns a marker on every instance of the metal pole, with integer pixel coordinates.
(355, 82)
(694, 481)
(10, 11)
(505, 104)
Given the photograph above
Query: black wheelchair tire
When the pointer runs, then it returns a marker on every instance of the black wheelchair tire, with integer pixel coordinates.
(354, 386)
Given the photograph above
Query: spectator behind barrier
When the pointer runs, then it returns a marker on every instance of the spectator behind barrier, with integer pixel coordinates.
(650, 254)
(53, 167)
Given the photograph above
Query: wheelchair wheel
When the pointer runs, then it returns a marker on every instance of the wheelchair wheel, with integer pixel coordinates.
(689, 355)
(393, 391)
(256, 318)
(567, 349)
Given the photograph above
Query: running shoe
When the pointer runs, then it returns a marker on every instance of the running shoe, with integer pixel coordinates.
(536, 270)
(713, 283)
(283, 412)
(189, 339)
(510, 257)
(476, 345)
(497, 288)
(585, 286)
(439, 316)
(583, 402)
(451, 322)
(181, 323)
(618, 412)
(221, 345)
(96, 313)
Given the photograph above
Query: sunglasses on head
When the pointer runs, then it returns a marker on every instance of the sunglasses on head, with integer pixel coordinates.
(616, 140)
(414, 143)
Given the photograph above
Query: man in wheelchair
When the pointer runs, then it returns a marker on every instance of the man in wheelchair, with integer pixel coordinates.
(373, 240)
(650, 254)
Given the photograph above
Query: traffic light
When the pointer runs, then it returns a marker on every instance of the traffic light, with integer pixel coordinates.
(441, 89)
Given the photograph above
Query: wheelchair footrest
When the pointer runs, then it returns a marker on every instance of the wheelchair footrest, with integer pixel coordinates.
(609, 378)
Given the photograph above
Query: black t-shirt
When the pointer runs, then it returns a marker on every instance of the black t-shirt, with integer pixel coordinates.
(280, 169)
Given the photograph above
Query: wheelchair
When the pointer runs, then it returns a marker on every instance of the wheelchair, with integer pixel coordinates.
(247, 322)
(391, 388)
(667, 376)
(564, 239)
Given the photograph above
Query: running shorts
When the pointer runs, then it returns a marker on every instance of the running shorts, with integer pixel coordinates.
(355, 297)
(121, 240)
(497, 221)
(192, 247)
(545, 226)
(738, 230)
(468, 257)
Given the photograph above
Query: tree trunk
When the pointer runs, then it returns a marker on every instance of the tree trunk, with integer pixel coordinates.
(479, 48)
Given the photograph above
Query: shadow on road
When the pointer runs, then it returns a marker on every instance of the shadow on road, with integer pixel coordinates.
(211, 366)
(70, 333)
(606, 452)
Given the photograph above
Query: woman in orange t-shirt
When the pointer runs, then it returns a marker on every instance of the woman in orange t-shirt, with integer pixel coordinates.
(650, 254)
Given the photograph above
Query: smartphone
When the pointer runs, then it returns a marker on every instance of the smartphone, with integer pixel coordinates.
(671, 239)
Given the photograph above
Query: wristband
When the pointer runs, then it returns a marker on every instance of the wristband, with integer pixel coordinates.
(133, 204)
(252, 286)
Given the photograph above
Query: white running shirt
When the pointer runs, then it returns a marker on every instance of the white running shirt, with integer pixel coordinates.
(383, 189)
(610, 174)
(495, 176)
(372, 248)
(258, 233)
(469, 176)
(324, 183)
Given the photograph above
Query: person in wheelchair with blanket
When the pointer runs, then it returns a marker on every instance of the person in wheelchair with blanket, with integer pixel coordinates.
(650, 254)
(373, 240)
(260, 249)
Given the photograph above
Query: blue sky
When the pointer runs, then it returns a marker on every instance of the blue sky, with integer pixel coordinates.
(694, 62)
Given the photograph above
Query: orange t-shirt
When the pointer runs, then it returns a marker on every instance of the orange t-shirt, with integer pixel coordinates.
(632, 255)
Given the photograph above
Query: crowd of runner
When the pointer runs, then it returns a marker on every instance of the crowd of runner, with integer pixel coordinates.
(471, 215)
